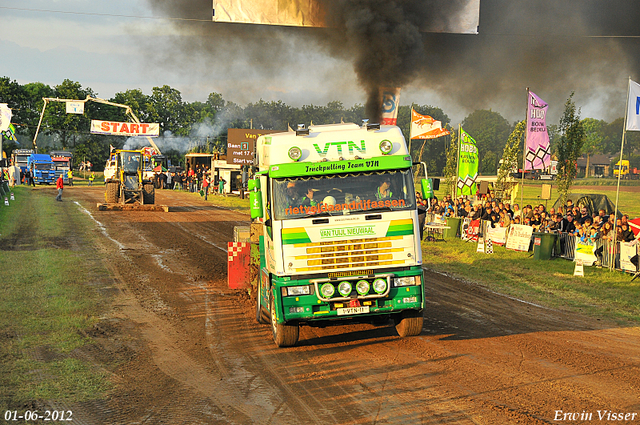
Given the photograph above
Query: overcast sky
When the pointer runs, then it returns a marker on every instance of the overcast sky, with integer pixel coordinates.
(115, 45)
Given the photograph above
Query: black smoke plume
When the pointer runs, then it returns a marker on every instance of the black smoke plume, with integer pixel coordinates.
(385, 39)
(547, 45)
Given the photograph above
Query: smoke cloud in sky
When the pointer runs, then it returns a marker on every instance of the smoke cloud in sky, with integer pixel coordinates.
(545, 45)
(200, 132)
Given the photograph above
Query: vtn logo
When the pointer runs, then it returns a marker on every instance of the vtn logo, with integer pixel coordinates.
(350, 145)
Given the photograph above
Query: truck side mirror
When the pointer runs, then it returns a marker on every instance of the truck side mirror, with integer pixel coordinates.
(253, 184)
(255, 198)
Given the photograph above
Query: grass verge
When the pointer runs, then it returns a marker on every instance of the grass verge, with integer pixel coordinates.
(600, 293)
(232, 202)
(46, 301)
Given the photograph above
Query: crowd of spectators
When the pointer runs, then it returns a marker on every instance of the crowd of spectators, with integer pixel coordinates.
(569, 218)
(191, 181)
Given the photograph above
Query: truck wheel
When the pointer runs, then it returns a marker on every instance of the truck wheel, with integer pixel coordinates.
(284, 335)
(260, 311)
(409, 323)
(149, 194)
(112, 193)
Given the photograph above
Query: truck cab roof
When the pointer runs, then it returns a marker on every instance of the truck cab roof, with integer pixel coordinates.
(39, 157)
(331, 144)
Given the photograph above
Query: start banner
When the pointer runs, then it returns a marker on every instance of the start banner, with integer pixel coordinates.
(114, 128)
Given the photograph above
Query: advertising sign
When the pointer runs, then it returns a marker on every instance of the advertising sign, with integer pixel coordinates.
(470, 230)
(467, 165)
(519, 237)
(585, 252)
(627, 251)
(114, 128)
(241, 145)
(390, 101)
(75, 107)
(537, 153)
(497, 235)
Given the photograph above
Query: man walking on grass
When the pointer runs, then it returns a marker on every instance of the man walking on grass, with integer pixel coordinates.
(59, 186)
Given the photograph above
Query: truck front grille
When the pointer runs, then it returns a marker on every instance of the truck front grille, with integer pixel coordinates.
(355, 253)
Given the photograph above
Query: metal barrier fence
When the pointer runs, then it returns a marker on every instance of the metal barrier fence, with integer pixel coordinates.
(607, 253)
(565, 247)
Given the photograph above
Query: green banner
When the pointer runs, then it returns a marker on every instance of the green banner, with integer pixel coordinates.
(467, 165)
(297, 169)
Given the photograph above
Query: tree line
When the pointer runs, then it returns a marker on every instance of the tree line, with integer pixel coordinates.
(202, 125)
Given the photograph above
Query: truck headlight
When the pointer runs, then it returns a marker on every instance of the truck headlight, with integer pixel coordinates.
(362, 287)
(404, 281)
(344, 288)
(298, 290)
(385, 147)
(380, 285)
(295, 153)
(327, 290)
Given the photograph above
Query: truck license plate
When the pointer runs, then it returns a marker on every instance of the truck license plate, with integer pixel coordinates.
(353, 310)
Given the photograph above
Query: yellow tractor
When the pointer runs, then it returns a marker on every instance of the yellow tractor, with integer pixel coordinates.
(127, 185)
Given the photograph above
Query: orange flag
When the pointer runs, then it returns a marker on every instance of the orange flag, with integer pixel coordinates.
(425, 127)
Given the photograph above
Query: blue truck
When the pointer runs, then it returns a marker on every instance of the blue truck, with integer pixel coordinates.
(42, 168)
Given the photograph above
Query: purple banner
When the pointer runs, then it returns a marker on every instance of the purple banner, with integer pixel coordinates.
(538, 155)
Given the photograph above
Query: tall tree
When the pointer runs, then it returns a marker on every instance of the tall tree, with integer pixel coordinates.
(451, 167)
(490, 131)
(139, 103)
(95, 149)
(510, 155)
(167, 108)
(274, 115)
(570, 142)
(32, 108)
(594, 138)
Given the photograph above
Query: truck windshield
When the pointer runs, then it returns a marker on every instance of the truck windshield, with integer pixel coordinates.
(131, 162)
(43, 166)
(61, 165)
(22, 159)
(343, 194)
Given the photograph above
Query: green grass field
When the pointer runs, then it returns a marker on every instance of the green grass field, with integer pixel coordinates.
(600, 293)
(46, 301)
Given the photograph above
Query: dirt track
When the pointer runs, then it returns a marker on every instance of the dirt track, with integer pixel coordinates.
(188, 349)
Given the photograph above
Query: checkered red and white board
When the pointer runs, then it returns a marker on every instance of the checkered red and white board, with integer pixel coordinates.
(236, 248)
(239, 264)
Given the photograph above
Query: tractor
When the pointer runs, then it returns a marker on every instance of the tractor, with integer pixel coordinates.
(127, 185)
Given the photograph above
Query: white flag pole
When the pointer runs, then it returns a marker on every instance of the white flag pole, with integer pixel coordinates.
(624, 134)
(410, 131)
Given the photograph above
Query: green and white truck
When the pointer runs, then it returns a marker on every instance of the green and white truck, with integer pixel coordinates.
(334, 210)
